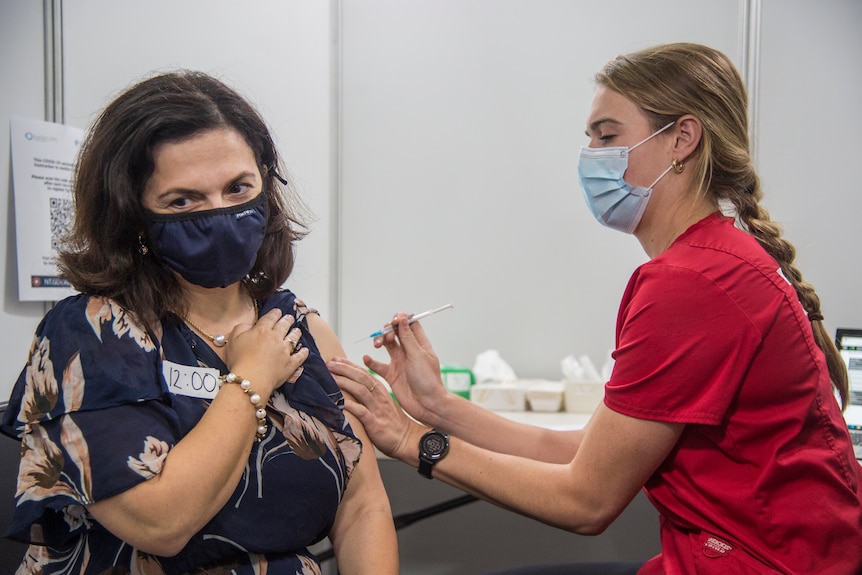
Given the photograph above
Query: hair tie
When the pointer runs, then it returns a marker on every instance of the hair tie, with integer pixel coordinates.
(815, 316)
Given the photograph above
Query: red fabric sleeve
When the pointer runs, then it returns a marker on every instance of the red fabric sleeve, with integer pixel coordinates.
(683, 348)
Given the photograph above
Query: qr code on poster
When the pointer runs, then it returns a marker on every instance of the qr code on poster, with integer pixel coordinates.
(61, 220)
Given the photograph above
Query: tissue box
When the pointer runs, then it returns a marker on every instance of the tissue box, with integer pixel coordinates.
(583, 396)
(499, 396)
(544, 395)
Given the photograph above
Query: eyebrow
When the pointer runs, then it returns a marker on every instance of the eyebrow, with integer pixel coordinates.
(247, 174)
(595, 125)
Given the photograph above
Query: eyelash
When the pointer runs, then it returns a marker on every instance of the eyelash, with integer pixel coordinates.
(245, 187)
(238, 188)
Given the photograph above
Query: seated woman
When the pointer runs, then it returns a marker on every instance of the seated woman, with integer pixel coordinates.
(177, 416)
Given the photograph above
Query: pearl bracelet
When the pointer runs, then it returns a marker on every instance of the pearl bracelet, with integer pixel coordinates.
(259, 410)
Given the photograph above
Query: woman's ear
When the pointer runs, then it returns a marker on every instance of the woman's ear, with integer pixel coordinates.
(688, 132)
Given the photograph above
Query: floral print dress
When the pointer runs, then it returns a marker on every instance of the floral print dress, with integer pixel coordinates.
(95, 417)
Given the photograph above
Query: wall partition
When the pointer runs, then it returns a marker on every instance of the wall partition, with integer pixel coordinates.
(435, 143)
(461, 126)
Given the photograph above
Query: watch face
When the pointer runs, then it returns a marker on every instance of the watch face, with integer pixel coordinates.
(432, 448)
(434, 444)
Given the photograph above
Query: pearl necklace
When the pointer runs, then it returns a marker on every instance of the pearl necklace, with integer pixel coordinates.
(218, 339)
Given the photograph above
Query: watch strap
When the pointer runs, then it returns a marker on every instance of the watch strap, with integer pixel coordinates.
(425, 467)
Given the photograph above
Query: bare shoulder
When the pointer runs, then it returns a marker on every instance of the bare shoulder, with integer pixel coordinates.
(324, 336)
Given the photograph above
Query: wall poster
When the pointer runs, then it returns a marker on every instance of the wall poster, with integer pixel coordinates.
(43, 156)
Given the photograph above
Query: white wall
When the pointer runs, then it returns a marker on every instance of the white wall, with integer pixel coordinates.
(23, 84)
(462, 123)
(810, 142)
(275, 52)
(278, 53)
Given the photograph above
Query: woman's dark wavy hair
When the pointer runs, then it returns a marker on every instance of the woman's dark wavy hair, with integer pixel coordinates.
(102, 255)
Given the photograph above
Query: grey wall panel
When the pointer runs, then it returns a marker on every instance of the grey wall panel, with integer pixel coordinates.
(22, 76)
(462, 121)
(23, 79)
(810, 142)
(276, 53)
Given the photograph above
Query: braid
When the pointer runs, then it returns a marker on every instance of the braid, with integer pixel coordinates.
(756, 221)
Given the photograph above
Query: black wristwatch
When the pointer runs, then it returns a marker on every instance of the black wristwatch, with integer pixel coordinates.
(433, 447)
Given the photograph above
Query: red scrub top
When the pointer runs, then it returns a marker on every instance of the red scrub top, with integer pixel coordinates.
(763, 478)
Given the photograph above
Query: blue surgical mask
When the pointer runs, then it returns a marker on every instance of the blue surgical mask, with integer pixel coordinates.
(614, 202)
(210, 248)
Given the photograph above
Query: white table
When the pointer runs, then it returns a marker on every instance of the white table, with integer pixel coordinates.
(551, 420)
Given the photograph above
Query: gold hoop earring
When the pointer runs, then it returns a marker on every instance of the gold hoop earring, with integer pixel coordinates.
(678, 166)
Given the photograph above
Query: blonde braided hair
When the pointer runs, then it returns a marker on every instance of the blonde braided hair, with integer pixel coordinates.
(670, 80)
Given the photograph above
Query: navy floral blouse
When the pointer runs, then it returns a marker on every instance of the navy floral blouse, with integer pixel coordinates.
(96, 417)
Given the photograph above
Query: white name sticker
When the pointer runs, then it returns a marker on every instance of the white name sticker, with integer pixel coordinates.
(202, 382)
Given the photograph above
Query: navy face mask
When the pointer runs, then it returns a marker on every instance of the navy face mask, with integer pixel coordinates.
(210, 248)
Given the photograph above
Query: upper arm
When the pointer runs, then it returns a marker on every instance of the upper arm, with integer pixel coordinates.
(365, 496)
(324, 336)
(617, 455)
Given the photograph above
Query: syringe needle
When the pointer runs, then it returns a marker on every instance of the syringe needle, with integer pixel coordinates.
(414, 317)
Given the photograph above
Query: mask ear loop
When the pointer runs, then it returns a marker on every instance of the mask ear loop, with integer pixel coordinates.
(651, 136)
(672, 166)
(663, 174)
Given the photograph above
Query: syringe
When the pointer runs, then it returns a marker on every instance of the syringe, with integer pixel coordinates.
(414, 317)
